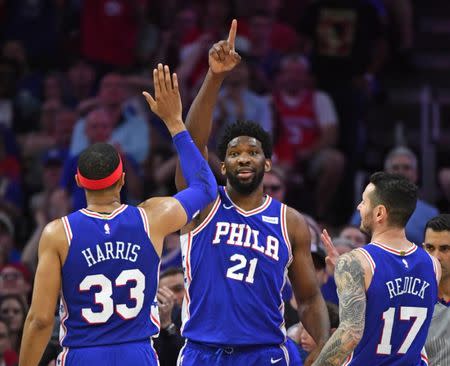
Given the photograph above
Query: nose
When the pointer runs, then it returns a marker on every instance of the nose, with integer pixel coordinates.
(243, 158)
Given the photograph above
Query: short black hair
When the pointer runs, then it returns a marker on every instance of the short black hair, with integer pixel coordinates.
(171, 271)
(245, 128)
(439, 223)
(397, 194)
(98, 161)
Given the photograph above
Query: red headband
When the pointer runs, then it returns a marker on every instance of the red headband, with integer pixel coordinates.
(97, 184)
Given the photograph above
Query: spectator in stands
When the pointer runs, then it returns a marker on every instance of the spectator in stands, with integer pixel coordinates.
(99, 128)
(307, 342)
(8, 357)
(16, 279)
(44, 205)
(237, 102)
(171, 255)
(130, 132)
(170, 297)
(14, 310)
(81, 81)
(356, 237)
(403, 161)
(107, 24)
(307, 131)
(9, 252)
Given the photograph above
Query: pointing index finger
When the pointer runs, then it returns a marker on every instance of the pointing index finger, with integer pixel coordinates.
(232, 34)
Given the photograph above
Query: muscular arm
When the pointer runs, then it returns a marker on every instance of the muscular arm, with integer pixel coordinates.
(222, 58)
(39, 322)
(350, 283)
(311, 306)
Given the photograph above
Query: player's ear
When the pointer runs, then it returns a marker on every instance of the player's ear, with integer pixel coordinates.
(223, 170)
(268, 165)
(122, 180)
(77, 181)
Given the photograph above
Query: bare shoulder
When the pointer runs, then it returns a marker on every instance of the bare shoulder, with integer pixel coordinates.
(54, 238)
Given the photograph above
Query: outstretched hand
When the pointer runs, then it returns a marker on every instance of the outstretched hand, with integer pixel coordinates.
(222, 55)
(332, 253)
(167, 102)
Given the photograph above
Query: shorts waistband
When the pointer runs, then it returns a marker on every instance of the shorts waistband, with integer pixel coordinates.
(228, 349)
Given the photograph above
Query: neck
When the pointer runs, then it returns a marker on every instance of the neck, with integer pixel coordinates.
(444, 288)
(246, 201)
(393, 237)
(99, 202)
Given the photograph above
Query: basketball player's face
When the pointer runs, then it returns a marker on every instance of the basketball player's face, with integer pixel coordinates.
(245, 164)
(437, 243)
(365, 209)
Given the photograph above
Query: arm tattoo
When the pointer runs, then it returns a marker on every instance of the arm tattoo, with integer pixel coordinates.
(349, 277)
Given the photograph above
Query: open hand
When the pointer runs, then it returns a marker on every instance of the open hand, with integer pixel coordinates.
(332, 253)
(222, 55)
(167, 102)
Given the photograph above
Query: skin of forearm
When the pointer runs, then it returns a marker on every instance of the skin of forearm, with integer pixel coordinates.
(313, 315)
(35, 339)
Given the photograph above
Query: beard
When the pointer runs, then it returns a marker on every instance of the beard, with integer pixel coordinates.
(366, 226)
(248, 186)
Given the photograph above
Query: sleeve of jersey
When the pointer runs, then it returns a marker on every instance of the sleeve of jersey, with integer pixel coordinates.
(201, 184)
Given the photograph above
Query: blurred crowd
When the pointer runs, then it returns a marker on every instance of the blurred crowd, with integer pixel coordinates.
(72, 72)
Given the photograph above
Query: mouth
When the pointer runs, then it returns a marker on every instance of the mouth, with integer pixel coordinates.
(245, 173)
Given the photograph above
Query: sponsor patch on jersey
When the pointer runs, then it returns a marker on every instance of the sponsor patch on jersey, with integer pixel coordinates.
(270, 219)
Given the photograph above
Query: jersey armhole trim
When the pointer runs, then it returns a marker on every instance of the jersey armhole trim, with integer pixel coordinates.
(208, 218)
(369, 259)
(285, 232)
(144, 221)
(67, 229)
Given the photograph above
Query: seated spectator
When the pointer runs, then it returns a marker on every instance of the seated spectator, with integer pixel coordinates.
(9, 253)
(170, 297)
(8, 357)
(44, 207)
(354, 235)
(237, 102)
(403, 161)
(307, 342)
(81, 81)
(99, 128)
(130, 132)
(306, 133)
(15, 279)
(171, 255)
(14, 310)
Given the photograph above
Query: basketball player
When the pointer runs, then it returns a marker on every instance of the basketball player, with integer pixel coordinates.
(237, 252)
(105, 258)
(437, 243)
(388, 288)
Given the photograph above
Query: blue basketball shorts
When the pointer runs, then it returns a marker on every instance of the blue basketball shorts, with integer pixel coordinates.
(194, 354)
(125, 354)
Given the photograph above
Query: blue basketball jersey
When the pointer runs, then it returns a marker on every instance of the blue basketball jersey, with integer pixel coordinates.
(235, 265)
(400, 303)
(109, 279)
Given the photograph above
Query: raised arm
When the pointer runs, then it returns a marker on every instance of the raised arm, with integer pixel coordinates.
(350, 282)
(311, 305)
(169, 214)
(39, 322)
(222, 58)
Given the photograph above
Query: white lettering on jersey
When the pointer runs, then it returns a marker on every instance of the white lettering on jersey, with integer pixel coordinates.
(113, 250)
(407, 285)
(244, 236)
